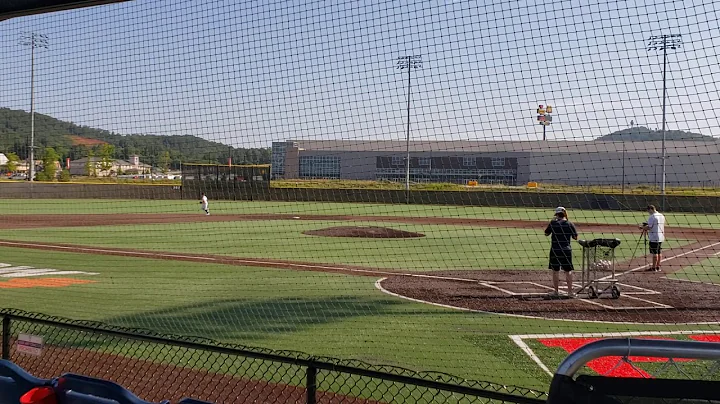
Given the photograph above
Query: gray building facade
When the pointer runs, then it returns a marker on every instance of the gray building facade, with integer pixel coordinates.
(688, 163)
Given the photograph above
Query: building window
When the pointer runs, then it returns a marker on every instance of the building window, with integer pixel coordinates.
(424, 161)
(498, 161)
(469, 161)
(398, 160)
(319, 167)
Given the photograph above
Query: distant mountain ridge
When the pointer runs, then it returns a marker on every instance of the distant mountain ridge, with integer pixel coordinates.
(641, 134)
(75, 141)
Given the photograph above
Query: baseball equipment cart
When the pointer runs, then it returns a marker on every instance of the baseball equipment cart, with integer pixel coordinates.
(598, 268)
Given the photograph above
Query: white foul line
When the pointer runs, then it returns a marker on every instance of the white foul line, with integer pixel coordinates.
(663, 260)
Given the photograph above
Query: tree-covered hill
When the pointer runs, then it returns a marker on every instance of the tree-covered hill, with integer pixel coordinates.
(75, 141)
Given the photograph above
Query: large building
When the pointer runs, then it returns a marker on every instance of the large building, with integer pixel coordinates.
(688, 163)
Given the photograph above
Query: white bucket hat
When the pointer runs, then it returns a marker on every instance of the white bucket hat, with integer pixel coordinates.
(560, 209)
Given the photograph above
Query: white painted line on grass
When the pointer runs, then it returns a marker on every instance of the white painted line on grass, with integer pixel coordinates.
(529, 352)
(663, 260)
(618, 334)
(519, 340)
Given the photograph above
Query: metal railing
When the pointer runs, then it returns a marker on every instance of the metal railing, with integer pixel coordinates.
(678, 375)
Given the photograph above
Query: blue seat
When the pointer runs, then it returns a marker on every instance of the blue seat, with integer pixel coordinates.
(76, 389)
(14, 382)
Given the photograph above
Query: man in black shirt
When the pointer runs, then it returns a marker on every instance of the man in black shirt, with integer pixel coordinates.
(562, 232)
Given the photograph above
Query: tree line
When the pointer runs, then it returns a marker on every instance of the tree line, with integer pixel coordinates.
(70, 141)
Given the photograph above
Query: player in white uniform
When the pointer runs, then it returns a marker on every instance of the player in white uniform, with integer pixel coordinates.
(204, 203)
(655, 227)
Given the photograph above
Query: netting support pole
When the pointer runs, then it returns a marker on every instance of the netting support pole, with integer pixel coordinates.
(311, 385)
(407, 141)
(6, 338)
(664, 157)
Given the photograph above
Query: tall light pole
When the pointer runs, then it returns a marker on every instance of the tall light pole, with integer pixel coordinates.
(544, 117)
(663, 43)
(408, 62)
(34, 41)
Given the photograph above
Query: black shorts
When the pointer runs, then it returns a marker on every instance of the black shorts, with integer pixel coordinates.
(561, 259)
(655, 247)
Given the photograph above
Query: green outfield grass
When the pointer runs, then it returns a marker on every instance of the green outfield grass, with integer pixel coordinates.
(81, 206)
(443, 248)
(706, 271)
(316, 313)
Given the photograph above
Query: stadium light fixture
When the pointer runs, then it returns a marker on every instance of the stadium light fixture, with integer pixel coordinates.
(408, 62)
(544, 117)
(663, 43)
(33, 40)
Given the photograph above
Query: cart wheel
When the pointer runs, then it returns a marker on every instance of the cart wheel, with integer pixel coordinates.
(615, 292)
(592, 293)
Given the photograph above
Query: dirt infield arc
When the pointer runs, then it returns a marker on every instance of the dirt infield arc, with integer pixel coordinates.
(647, 297)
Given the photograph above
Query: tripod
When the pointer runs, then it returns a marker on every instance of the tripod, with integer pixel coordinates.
(643, 237)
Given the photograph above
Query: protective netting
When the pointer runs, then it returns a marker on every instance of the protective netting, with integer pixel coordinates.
(382, 179)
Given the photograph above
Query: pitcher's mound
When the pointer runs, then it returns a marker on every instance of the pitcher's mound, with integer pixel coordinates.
(367, 232)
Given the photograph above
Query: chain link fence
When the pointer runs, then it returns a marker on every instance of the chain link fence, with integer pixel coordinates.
(156, 367)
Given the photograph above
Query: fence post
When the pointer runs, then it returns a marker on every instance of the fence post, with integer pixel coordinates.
(311, 385)
(6, 337)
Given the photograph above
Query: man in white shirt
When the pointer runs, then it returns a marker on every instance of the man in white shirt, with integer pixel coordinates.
(204, 203)
(655, 227)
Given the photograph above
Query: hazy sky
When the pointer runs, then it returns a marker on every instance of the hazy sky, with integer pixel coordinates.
(252, 72)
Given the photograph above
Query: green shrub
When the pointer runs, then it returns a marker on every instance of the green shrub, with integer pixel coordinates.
(64, 176)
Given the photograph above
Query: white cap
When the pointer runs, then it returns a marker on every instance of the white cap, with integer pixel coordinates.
(559, 209)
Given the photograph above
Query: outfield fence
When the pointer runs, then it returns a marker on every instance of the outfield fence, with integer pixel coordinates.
(156, 366)
(225, 190)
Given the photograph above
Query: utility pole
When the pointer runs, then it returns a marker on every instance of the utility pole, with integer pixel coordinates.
(408, 62)
(34, 41)
(663, 42)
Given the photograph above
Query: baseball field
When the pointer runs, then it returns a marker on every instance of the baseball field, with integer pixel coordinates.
(451, 289)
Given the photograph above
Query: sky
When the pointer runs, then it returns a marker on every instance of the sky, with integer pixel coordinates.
(253, 72)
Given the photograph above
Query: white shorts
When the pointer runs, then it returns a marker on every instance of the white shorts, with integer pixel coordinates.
(204, 206)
